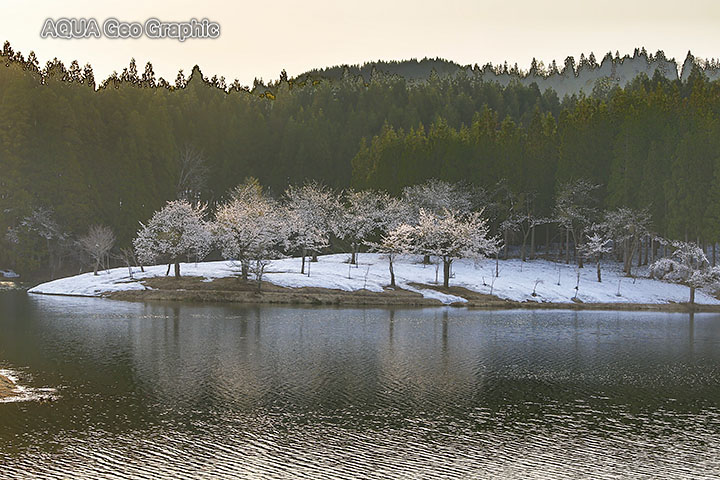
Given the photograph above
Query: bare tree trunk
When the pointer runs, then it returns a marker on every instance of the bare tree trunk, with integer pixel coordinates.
(259, 270)
(692, 295)
(532, 243)
(505, 238)
(567, 246)
(578, 258)
(560, 248)
(392, 274)
(575, 250)
(652, 251)
(598, 271)
(626, 254)
(129, 267)
(244, 270)
(302, 268)
(142, 268)
(50, 260)
(177, 269)
(446, 272)
(167, 272)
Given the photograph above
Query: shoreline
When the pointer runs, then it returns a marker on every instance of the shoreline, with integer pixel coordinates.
(336, 283)
(195, 290)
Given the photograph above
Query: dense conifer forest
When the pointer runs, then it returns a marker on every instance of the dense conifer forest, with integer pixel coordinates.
(75, 152)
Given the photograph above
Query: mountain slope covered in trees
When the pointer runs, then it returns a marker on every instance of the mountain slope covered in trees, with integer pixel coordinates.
(584, 77)
(74, 154)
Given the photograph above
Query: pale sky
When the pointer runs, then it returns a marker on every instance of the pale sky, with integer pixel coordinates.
(259, 39)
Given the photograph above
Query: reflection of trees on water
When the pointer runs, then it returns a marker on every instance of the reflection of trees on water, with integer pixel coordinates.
(195, 357)
(306, 357)
(327, 358)
(691, 334)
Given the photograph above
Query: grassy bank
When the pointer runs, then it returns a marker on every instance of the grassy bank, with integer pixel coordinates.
(233, 290)
(195, 289)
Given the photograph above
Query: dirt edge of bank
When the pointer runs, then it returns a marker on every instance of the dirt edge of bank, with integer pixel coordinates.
(232, 290)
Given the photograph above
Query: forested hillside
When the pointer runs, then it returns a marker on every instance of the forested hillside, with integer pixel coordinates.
(585, 76)
(75, 154)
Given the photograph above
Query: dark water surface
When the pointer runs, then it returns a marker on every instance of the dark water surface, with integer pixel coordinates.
(187, 391)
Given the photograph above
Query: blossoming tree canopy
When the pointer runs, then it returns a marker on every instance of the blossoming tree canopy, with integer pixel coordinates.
(447, 235)
(310, 213)
(250, 229)
(176, 232)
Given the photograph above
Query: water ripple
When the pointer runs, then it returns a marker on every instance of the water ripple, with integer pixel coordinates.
(225, 392)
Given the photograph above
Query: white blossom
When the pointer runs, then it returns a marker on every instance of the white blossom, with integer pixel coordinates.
(398, 241)
(249, 228)
(688, 265)
(310, 214)
(436, 196)
(361, 215)
(41, 222)
(594, 246)
(452, 235)
(176, 232)
(593, 249)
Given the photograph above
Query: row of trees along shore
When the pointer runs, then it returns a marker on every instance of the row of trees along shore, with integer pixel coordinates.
(75, 154)
(438, 220)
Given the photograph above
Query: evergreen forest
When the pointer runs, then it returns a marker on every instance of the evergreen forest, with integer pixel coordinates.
(77, 152)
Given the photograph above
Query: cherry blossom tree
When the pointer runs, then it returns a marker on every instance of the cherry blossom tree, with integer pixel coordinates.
(176, 232)
(689, 266)
(398, 241)
(452, 235)
(310, 214)
(436, 196)
(362, 215)
(249, 228)
(593, 248)
(394, 212)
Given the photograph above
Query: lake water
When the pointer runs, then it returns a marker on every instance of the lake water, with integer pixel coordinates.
(217, 391)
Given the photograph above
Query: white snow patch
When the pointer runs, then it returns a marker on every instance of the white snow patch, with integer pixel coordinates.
(516, 281)
(8, 274)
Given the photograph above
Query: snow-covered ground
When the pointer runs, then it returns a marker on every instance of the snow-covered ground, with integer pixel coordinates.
(516, 281)
(8, 274)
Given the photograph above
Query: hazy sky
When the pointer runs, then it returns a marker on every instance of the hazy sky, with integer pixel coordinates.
(259, 39)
